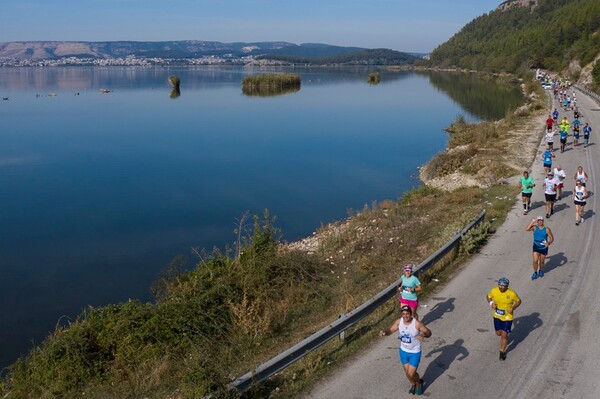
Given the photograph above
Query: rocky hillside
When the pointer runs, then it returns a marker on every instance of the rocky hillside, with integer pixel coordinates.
(167, 49)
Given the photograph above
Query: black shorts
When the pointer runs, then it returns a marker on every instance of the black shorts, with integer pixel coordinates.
(580, 203)
(526, 195)
(542, 251)
(550, 197)
(563, 141)
(551, 144)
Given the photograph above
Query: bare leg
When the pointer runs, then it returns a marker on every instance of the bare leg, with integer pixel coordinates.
(412, 375)
(414, 313)
(541, 260)
(503, 340)
(536, 256)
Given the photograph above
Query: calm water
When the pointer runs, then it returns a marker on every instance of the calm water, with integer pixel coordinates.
(98, 192)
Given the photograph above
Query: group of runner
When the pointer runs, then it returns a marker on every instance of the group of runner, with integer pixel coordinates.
(502, 300)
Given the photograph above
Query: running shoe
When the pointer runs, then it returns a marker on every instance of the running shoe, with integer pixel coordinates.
(534, 276)
(419, 390)
(411, 391)
(577, 223)
(541, 273)
(502, 355)
(547, 216)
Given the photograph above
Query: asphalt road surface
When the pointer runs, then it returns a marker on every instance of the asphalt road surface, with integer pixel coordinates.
(554, 347)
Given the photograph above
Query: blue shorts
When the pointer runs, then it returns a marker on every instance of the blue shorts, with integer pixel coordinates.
(501, 325)
(547, 165)
(411, 358)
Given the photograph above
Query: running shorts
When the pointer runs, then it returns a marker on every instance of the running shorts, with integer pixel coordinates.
(413, 304)
(501, 325)
(550, 197)
(411, 358)
(540, 250)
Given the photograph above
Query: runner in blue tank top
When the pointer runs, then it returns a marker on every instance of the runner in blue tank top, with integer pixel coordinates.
(548, 155)
(542, 238)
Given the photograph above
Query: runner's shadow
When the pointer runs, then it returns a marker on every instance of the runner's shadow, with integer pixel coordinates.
(588, 214)
(566, 194)
(522, 327)
(447, 354)
(537, 204)
(437, 312)
(560, 207)
(554, 261)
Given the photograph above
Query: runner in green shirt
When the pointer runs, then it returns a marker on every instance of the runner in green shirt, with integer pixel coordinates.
(527, 185)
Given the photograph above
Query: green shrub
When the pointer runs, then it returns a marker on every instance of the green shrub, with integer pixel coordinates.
(596, 73)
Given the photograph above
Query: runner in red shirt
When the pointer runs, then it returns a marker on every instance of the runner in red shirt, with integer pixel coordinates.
(549, 123)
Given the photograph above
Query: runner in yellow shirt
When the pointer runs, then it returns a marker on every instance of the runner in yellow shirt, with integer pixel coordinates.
(503, 301)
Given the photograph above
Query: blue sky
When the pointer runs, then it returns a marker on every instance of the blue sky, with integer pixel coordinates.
(404, 25)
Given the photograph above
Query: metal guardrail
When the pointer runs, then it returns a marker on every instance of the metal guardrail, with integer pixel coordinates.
(588, 93)
(346, 321)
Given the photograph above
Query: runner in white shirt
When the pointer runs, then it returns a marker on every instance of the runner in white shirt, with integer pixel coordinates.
(559, 178)
(550, 193)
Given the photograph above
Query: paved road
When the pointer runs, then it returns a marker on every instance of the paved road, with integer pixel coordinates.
(554, 350)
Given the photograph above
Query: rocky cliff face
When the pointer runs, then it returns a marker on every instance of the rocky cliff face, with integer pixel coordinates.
(507, 5)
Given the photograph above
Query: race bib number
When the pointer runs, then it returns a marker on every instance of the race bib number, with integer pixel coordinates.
(406, 339)
(406, 289)
(500, 312)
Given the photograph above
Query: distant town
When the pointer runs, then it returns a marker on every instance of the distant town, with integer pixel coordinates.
(133, 60)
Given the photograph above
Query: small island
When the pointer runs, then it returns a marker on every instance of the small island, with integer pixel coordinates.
(374, 78)
(271, 84)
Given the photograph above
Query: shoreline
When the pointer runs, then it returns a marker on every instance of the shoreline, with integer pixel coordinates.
(521, 140)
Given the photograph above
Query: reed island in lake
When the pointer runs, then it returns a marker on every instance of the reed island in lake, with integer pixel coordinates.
(271, 84)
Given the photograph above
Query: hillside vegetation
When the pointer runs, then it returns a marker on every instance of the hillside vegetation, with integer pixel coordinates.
(548, 35)
(363, 57)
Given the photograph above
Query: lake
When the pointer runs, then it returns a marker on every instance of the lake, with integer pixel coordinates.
(100, 191)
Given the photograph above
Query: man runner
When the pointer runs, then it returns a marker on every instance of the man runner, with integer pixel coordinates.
(503, 301)
(576, 125)
(586, 134)
(542, 237)
(527, 185)
(410, 332)
(549, 123)
(559, 178)
(564, 133)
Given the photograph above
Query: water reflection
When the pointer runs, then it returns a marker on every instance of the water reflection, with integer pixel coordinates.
(485, 98)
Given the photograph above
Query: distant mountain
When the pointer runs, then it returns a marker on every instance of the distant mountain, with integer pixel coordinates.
(523, 34)
(40, 50)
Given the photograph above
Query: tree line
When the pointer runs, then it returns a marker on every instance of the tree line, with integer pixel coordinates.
(364, 57)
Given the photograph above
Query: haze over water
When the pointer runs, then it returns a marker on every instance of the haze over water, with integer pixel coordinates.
(98, 192)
